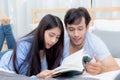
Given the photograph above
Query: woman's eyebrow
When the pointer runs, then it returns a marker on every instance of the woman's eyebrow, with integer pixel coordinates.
(55, 34)
(52, 33)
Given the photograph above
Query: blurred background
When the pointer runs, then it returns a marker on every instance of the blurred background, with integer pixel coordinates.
(20, 11)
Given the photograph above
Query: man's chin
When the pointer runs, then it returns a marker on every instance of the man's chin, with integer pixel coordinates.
(76, 44)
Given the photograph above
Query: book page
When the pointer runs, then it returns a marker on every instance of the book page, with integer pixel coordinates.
(73, 62)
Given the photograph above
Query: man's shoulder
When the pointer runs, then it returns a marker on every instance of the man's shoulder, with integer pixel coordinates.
(91, 37)
(93, 42)
(95, 45)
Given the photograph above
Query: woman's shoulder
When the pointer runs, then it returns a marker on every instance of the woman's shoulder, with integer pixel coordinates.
(26, 38)
(23, 45)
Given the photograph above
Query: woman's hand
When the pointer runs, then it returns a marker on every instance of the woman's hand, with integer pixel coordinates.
(45, 74)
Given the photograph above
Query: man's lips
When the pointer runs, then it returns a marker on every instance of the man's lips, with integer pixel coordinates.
(76, 40)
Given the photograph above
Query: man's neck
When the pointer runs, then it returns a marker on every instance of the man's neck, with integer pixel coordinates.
(74, 48)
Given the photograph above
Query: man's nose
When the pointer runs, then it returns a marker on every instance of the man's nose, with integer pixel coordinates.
(76, 33)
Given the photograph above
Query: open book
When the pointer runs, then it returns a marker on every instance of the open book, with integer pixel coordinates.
(72, 65)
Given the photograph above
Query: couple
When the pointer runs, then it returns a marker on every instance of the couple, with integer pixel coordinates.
(42, 50)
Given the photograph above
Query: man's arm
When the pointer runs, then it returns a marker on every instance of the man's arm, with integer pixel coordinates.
(108, 64)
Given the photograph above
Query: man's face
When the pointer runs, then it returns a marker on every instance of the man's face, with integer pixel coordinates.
(77, 32)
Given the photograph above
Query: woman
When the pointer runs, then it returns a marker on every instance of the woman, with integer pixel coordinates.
(39, 50)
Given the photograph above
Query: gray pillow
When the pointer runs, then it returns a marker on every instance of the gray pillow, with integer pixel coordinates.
(112, 41)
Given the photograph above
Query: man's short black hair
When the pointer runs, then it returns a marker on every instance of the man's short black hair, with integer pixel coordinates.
(76, 14)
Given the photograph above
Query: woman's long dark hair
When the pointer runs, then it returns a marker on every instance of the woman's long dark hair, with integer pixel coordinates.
(53, 55)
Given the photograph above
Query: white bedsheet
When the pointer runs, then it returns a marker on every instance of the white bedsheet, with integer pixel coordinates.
(104, 76)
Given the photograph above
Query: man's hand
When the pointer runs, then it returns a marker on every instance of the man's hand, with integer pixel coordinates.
(45, 74)
(4, 19)
(94, 67)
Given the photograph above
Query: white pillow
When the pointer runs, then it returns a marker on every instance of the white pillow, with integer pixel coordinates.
(107, 25)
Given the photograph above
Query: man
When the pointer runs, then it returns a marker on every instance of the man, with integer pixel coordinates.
(77, 24)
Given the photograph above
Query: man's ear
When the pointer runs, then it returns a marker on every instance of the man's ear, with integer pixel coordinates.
(87, 27)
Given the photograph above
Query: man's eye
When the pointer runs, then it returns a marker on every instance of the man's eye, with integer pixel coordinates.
(80, 28)
(71, 29)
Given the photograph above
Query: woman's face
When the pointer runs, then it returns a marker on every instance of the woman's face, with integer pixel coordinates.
(51, 37)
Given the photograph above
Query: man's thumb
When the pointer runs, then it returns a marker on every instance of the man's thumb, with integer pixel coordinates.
(96, 58)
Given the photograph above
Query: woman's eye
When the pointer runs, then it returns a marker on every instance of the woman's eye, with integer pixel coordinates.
(51, 35)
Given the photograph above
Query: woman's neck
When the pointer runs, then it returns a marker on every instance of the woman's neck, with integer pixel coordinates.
(41, 53)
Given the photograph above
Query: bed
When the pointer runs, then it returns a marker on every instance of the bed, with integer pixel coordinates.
(108, 29)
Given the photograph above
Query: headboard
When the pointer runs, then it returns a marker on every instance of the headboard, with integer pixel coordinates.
(37, 11)
(109, 11)
(92, 11)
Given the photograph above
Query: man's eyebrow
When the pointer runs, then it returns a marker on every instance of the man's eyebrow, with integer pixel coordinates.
(81, 26)
(70, 27)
